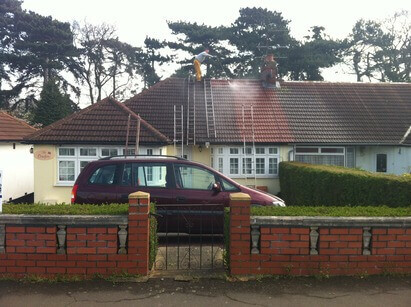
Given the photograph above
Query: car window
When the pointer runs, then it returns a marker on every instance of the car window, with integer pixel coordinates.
(193, 177)
(126, 177)
(228, 186)
(151, 175)
(103, 175)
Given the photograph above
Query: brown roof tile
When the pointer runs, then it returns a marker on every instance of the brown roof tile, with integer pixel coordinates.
(102, 123)
(13, 129)
(298, 112)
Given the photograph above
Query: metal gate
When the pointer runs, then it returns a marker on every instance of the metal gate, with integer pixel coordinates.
(191, 237)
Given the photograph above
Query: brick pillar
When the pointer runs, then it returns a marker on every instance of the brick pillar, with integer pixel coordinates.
(138, 230)
(240, 238)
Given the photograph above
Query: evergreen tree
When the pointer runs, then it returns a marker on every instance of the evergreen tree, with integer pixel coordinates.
(53, 105)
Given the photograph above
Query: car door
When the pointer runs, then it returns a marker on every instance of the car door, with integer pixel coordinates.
(195, 185)
(100, 187)
(155, 178)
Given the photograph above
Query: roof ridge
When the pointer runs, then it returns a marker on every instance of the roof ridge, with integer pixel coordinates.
(63, 120)
(156, 132)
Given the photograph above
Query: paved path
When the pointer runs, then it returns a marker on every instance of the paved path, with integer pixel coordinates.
(370, 291)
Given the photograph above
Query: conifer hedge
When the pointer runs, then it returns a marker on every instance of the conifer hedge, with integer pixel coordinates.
(322, 185)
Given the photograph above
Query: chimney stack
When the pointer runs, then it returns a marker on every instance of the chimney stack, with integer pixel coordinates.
(269, 71)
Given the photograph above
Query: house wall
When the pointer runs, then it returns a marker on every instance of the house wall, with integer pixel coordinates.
(46, 189)
(18, 173)
(398, 158)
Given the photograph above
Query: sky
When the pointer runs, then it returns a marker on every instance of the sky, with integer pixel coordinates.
(134, 20)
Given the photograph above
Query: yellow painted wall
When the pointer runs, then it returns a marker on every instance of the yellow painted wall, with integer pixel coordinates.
(45, 177)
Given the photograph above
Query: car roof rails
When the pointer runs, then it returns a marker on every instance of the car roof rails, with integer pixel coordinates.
(143, 157)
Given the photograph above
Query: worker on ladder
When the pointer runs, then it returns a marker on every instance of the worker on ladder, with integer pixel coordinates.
(199, 58)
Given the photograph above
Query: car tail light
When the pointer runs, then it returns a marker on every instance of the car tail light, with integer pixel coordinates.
(74, 193)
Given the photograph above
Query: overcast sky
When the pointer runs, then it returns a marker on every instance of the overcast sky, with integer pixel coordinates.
(135, 20)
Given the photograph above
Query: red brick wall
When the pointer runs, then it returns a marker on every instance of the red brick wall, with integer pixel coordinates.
(285, 250)
(89, 250)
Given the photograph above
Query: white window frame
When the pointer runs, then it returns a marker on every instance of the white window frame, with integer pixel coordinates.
(224, 154)
(320, 153)
(77, 159)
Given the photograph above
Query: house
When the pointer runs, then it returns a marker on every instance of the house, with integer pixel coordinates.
(243, 128)
(16, 159)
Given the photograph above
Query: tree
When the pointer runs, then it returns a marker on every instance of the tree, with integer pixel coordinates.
(380, 50)
(306, 59)
(104, 59)
(33, 48)
(149, 57)
(53, 105)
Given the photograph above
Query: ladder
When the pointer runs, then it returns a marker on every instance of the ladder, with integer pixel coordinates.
(178, 128)
(209, 107)
(191, 112)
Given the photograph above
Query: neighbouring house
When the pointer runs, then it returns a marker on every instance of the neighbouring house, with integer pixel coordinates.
(243, 128)
(16, 159)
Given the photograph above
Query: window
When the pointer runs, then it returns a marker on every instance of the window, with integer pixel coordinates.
(228, 186)
(234, 151)
(239, 161)
(321, 155)
(149, 152)
(66, 170)
(191, 177)
(273, 166)
(65, 152)
(83, 164)
(103, 175)
(260, 150)
(130, 152)
(247, 166)
(88, 152)
(150, 175)
(109, 152)
(220, 164)
(260, 166)
(234, 166)
(273, 151)
(126, 177)
(382, 163)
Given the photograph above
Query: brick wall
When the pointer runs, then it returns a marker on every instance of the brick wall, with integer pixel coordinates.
(76, 245)
(315, 245)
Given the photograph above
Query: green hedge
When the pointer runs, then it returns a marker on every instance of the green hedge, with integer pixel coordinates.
(153, 244)
(66, 209)
(367, 211)
(322, 185)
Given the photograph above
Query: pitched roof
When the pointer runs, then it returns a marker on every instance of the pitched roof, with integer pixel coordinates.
(13, 129)
(298, 112)
(102, 123)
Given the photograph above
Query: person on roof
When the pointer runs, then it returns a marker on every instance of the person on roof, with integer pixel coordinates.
(199, 58)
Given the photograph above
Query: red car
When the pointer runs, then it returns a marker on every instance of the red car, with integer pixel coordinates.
(173, 184)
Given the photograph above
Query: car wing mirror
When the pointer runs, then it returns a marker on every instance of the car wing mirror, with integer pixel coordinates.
(217, 187)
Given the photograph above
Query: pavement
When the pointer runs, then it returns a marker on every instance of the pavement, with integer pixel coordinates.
(338, 291)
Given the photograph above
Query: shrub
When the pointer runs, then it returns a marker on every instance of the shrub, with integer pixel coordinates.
(153, 244)
(66, 209)
(367, 211)
(322, 185)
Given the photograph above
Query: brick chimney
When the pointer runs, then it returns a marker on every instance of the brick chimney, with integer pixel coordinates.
(269, 71)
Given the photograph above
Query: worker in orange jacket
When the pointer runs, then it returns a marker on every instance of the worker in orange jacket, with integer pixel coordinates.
(199, 58)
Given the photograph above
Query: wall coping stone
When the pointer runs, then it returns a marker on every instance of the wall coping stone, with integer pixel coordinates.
(326, 221)
(139, 195)
(77, 220)
(239, 196)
